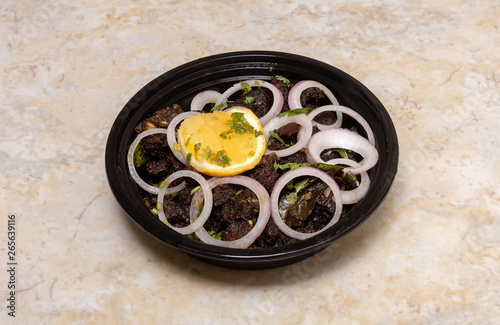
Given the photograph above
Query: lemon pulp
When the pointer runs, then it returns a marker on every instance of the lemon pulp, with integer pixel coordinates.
(222, 143)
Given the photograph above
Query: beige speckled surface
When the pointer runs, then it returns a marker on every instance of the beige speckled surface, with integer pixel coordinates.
(429, 255)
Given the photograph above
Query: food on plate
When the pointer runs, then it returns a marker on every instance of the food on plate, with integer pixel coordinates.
(260, 164)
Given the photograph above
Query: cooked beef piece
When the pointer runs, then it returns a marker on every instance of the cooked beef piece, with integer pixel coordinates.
(242, 207)
(177, 207)
(272, 236)
(327, 118)
(236, 230)
(149, 199)
(155, 146)
(262, 101)
(299, 157)
(159, 169)
(222, 193)
(159, 119)
(313, 97)
(321, 214)
(264, 172)
(287, 133)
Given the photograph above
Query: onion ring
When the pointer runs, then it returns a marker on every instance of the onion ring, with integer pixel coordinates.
(207, 194)
(205, 97)
(299, 87)
(260, 225)
(305, 133)
(278, 99)
(172, 137)
(131, 167)
(281, 183)
(346, 110)
(345, 139)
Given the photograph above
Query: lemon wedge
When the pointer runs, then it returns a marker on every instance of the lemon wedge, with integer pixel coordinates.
(222, 143)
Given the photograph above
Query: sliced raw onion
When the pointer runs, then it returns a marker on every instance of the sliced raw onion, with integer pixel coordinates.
(345, 139)
(131, 167)
(305, 133)
(338, 108)
(172, 136)
(278, 99)
(205, 97)
(207, 194)
(296, 91)
(264, 211)
(354, 195)
(299, 172)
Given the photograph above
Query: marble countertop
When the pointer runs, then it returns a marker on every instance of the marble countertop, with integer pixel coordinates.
(429, 255)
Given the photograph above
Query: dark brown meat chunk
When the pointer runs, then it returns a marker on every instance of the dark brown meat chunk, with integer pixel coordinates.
(321, 214)
(313, 97)
(264, 172)
(272, 236)
(262, 101)
(236, 230)
(159, 119)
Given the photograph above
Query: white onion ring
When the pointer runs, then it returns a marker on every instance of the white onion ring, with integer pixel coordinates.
(172, 136)
(354, 195)
(205, 97)
(281, 183)
(278, 99)
(345, 139)
(260, 225)
(346, 110)
(207, 194)
(305, 133)
(131, 167)
(299, 87)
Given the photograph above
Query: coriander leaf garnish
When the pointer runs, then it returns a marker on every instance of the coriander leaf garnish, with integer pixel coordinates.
(320, 166)
(249, 100)
(238, 124)
(284, 80)
(277, 137)
(246, 88)
(297, 111)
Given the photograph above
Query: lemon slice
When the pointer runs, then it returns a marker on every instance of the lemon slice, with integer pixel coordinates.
(222, 143)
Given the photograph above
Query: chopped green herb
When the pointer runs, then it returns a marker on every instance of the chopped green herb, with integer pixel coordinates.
(249, 100)
(154, 211)
(187, 141)
(246, 88)
(197, 188)
(257, 133)
(139, 157)
(188, 157)
(220, 106)
(177, 147)
(238, 124)
(320, 166)
(270, 69)
(277, 137)
(214, 235)
(284, 80)
(250, 222)
(292, 197)
(238, 193)
(162, 184)
(255, 200)
(343, 153)
(197, 148)
(297, 111)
